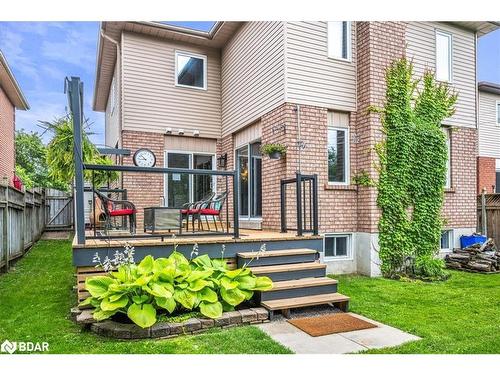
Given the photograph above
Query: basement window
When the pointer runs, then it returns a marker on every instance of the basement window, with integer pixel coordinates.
(339, 40)
(337, 246)
(190, 70)
(447, 240)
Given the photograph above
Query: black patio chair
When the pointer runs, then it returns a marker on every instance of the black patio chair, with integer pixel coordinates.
(190, 210)
(116, 208)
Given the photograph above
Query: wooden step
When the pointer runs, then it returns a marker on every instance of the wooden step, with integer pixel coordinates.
(291, 271)
(321, 299)
(276, 253)
(303, 283)
(286, 267)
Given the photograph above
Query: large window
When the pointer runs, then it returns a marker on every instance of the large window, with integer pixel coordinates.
(448, 160)
(443, 56)
(498, 112)
(337, 246)
(338, 147)
(339, 40)
(183, 188)
(249, 164)
(190, 70)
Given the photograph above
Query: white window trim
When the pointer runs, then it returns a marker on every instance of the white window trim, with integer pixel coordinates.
(349, 43)
(497, 105)
(236, 161)
(205, 70)
(450, 241)
(348, 157)
(449, 172)
(350, 253)
(450, 52)
(191, 160)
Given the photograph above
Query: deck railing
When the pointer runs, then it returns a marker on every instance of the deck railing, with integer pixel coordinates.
(305, 204)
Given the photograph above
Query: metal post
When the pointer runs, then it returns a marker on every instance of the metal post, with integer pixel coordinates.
(236, 214)
(283, 206)
(315, 205)
(75, 94)
(299, 202)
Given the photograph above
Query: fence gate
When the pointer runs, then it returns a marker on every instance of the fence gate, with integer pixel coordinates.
(59, 210)
(488, 206)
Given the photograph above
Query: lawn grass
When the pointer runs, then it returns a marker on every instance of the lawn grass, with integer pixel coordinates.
(36, 297)
(460, 315)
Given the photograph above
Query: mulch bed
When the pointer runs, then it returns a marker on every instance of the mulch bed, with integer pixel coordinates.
(329, 324)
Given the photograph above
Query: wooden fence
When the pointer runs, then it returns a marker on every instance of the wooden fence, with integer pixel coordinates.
(22, 221)
(488, 206)
(59, 214)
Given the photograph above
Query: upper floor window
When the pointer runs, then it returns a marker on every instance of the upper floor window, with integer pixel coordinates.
(443, 56)
(339, 40)
(190, 70)
(338, 148)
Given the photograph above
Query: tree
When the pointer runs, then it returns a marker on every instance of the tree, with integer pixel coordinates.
(60, 156)
(31, 163)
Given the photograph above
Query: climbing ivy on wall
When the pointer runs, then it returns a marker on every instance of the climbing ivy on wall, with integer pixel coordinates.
(413, 158)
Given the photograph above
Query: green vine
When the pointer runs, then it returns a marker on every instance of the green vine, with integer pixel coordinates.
(412, 167)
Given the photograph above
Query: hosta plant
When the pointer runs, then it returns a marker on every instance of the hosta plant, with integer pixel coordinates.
(168, 285)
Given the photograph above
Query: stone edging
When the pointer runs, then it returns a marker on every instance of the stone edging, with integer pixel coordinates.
(109, 328)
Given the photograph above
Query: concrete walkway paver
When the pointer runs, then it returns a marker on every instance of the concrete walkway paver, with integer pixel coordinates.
(338, 343)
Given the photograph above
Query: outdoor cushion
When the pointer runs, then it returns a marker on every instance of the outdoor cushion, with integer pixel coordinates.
(209, 211)
(189, 212)
(123, 212)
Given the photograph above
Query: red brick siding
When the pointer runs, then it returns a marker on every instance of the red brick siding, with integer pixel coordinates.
(7, 131)
(486, 174)
(143, 189)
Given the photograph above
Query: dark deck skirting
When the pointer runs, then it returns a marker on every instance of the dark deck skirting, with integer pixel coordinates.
(83, 256)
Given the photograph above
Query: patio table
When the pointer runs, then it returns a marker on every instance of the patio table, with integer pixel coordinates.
(161, 219)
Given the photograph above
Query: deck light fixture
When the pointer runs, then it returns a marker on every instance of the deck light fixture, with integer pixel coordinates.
(222, 161)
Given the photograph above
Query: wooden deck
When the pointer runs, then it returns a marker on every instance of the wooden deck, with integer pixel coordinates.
(246, 235)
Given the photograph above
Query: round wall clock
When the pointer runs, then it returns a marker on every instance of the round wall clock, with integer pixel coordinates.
(144, 158)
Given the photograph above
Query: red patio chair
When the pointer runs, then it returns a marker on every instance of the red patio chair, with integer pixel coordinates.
(116, 208)
(190, 210)
(213, 208)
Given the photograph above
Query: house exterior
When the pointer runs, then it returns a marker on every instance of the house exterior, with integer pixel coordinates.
(11, 98)
(192, 97)
(488, 161)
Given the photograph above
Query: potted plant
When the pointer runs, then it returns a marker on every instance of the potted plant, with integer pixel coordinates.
(273, 150)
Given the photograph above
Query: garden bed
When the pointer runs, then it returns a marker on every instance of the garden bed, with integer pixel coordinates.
(130, 331)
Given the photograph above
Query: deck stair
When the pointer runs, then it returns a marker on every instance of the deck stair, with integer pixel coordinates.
(299, 280)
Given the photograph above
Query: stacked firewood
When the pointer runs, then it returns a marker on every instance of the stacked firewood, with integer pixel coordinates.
(478, 257)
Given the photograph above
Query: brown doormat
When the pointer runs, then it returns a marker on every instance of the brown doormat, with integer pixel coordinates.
(331, 323)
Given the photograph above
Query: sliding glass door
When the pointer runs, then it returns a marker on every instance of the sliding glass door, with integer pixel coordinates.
(249, 164)
(183, 188)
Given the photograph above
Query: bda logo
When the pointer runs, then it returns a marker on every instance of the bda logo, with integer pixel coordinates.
(8, 347)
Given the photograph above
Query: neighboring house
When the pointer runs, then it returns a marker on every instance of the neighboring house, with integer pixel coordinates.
(488, 161)
(192, 96)
(11, 98)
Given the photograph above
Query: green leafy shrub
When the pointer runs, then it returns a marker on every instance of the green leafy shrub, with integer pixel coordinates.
(430, 268)
(271, 148)
(169, 285)
(412, 168)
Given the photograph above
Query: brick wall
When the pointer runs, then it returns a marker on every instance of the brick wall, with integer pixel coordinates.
(375, 53)
(7, 129)
(486, 174)
(143, 189)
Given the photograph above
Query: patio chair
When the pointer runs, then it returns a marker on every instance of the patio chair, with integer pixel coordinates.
(213, 208)
(190, 210)
(116, 208)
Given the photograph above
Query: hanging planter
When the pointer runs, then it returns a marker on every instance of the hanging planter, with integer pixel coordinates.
(273, 150)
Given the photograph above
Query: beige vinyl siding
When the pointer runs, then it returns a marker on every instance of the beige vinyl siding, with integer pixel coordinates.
(253, 80)
(112, 117)
(421, 41)
(152, 102)
(489, 130)
(248, 135)
(312, 77)
(190, 144)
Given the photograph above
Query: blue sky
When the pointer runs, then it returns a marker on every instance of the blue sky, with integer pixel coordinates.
(41, 54)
